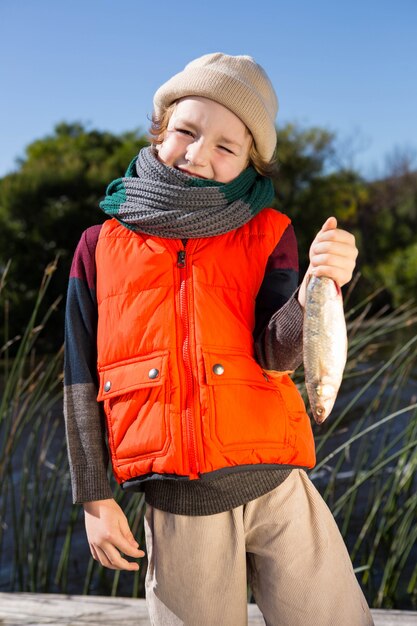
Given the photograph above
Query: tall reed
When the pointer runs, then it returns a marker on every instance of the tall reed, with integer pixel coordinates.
(32, 466)
(40, 531)
(367, 454)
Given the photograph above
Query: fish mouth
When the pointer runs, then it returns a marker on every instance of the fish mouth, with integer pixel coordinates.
(319, 414)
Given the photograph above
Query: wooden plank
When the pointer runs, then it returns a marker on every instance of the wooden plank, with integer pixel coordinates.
(42, 609)
(394, 618)
(33, 609)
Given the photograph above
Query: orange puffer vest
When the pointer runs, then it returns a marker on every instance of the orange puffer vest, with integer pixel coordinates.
(182, 391)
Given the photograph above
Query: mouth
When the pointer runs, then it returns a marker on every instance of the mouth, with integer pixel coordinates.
(193, 174)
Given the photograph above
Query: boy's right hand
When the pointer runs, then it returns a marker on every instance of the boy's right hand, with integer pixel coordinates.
(109, 534)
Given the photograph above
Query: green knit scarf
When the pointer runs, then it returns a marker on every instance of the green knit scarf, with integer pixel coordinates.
(159, 200)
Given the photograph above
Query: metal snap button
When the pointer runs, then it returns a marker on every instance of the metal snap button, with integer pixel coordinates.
(153, 373)
(107, 385)
(218, 369)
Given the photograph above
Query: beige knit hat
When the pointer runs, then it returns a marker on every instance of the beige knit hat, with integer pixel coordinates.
(236, 82)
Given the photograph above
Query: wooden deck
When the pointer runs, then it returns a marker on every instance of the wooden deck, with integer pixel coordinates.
(32, 609)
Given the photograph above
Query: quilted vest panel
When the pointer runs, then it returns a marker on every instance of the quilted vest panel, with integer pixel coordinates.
(183, 394)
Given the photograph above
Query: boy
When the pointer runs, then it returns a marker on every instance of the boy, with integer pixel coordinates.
(183, 320)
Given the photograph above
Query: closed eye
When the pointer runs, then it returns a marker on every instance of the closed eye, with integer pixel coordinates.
(226, 149)
(184, 131)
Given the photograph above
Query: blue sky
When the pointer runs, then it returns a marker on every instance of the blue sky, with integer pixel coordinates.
(346, 65)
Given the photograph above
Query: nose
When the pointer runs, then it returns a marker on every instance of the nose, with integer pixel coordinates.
(197, 152)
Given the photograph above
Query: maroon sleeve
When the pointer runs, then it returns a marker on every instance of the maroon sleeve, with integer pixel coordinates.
(280, 281)
(278, 314)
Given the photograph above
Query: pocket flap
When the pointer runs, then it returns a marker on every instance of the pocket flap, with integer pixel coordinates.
(225, 368)
(147, 371)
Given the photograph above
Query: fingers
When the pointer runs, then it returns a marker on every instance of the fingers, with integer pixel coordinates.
(124, 545)
(339, 275)
(335, 234)
(94, 553)
(109, 535)
(108, 554)
(339, 267)
(127, 533)
(109, 557)
(333, 253)
(324, 250)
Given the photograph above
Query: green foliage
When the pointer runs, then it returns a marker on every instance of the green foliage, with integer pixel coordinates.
(45, 206)
(398, 273)
(381, 214)
(388, 227)
(307, 187)
(54, 196)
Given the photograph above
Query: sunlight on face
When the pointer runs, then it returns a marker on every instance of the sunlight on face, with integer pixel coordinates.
(205, 139)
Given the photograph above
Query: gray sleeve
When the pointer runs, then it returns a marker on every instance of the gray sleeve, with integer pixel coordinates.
(87, 451)
(84, 419)
(280, 346)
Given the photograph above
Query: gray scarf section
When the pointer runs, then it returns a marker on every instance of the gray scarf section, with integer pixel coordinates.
(159, 200)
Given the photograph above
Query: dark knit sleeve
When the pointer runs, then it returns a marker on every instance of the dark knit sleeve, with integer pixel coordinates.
(85, 428)
(278, 315)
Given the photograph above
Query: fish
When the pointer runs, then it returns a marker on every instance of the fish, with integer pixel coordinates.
(325, 344)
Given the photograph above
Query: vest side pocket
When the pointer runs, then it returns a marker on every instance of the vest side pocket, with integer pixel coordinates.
(300, 434)
(244, 408)
(135, 394)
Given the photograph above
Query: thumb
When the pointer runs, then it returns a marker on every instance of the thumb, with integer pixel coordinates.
(329, 224)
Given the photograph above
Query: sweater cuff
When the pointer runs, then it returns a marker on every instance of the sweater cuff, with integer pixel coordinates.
(289, 319)
(281, 347)
(89, 484)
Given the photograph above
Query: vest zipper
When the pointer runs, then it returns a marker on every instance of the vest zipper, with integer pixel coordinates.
(189, 413)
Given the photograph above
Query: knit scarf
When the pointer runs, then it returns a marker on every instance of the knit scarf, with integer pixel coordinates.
(156, 199)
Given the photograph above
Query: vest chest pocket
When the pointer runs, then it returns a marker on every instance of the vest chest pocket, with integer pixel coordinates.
(244, 407)
(134, 394)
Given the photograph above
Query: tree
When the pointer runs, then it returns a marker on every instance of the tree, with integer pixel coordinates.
(49, 201)
(388, 223)
(54, 196)
(308, 187)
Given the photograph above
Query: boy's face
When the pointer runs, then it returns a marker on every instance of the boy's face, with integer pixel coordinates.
(205, 139)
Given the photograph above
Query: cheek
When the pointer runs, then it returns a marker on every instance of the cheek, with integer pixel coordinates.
(229, 171)
(172, 148)
(166, 151)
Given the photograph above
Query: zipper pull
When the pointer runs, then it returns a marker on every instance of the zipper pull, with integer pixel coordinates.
(181, 259)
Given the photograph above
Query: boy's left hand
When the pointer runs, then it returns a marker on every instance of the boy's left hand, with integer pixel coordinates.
(333, 253)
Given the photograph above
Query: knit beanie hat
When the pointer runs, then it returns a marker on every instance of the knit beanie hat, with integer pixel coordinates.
(236, 82)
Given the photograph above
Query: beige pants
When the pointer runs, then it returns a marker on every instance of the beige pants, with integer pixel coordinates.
(299, 569)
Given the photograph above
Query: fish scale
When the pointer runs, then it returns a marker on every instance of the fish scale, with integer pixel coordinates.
(324, 344)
